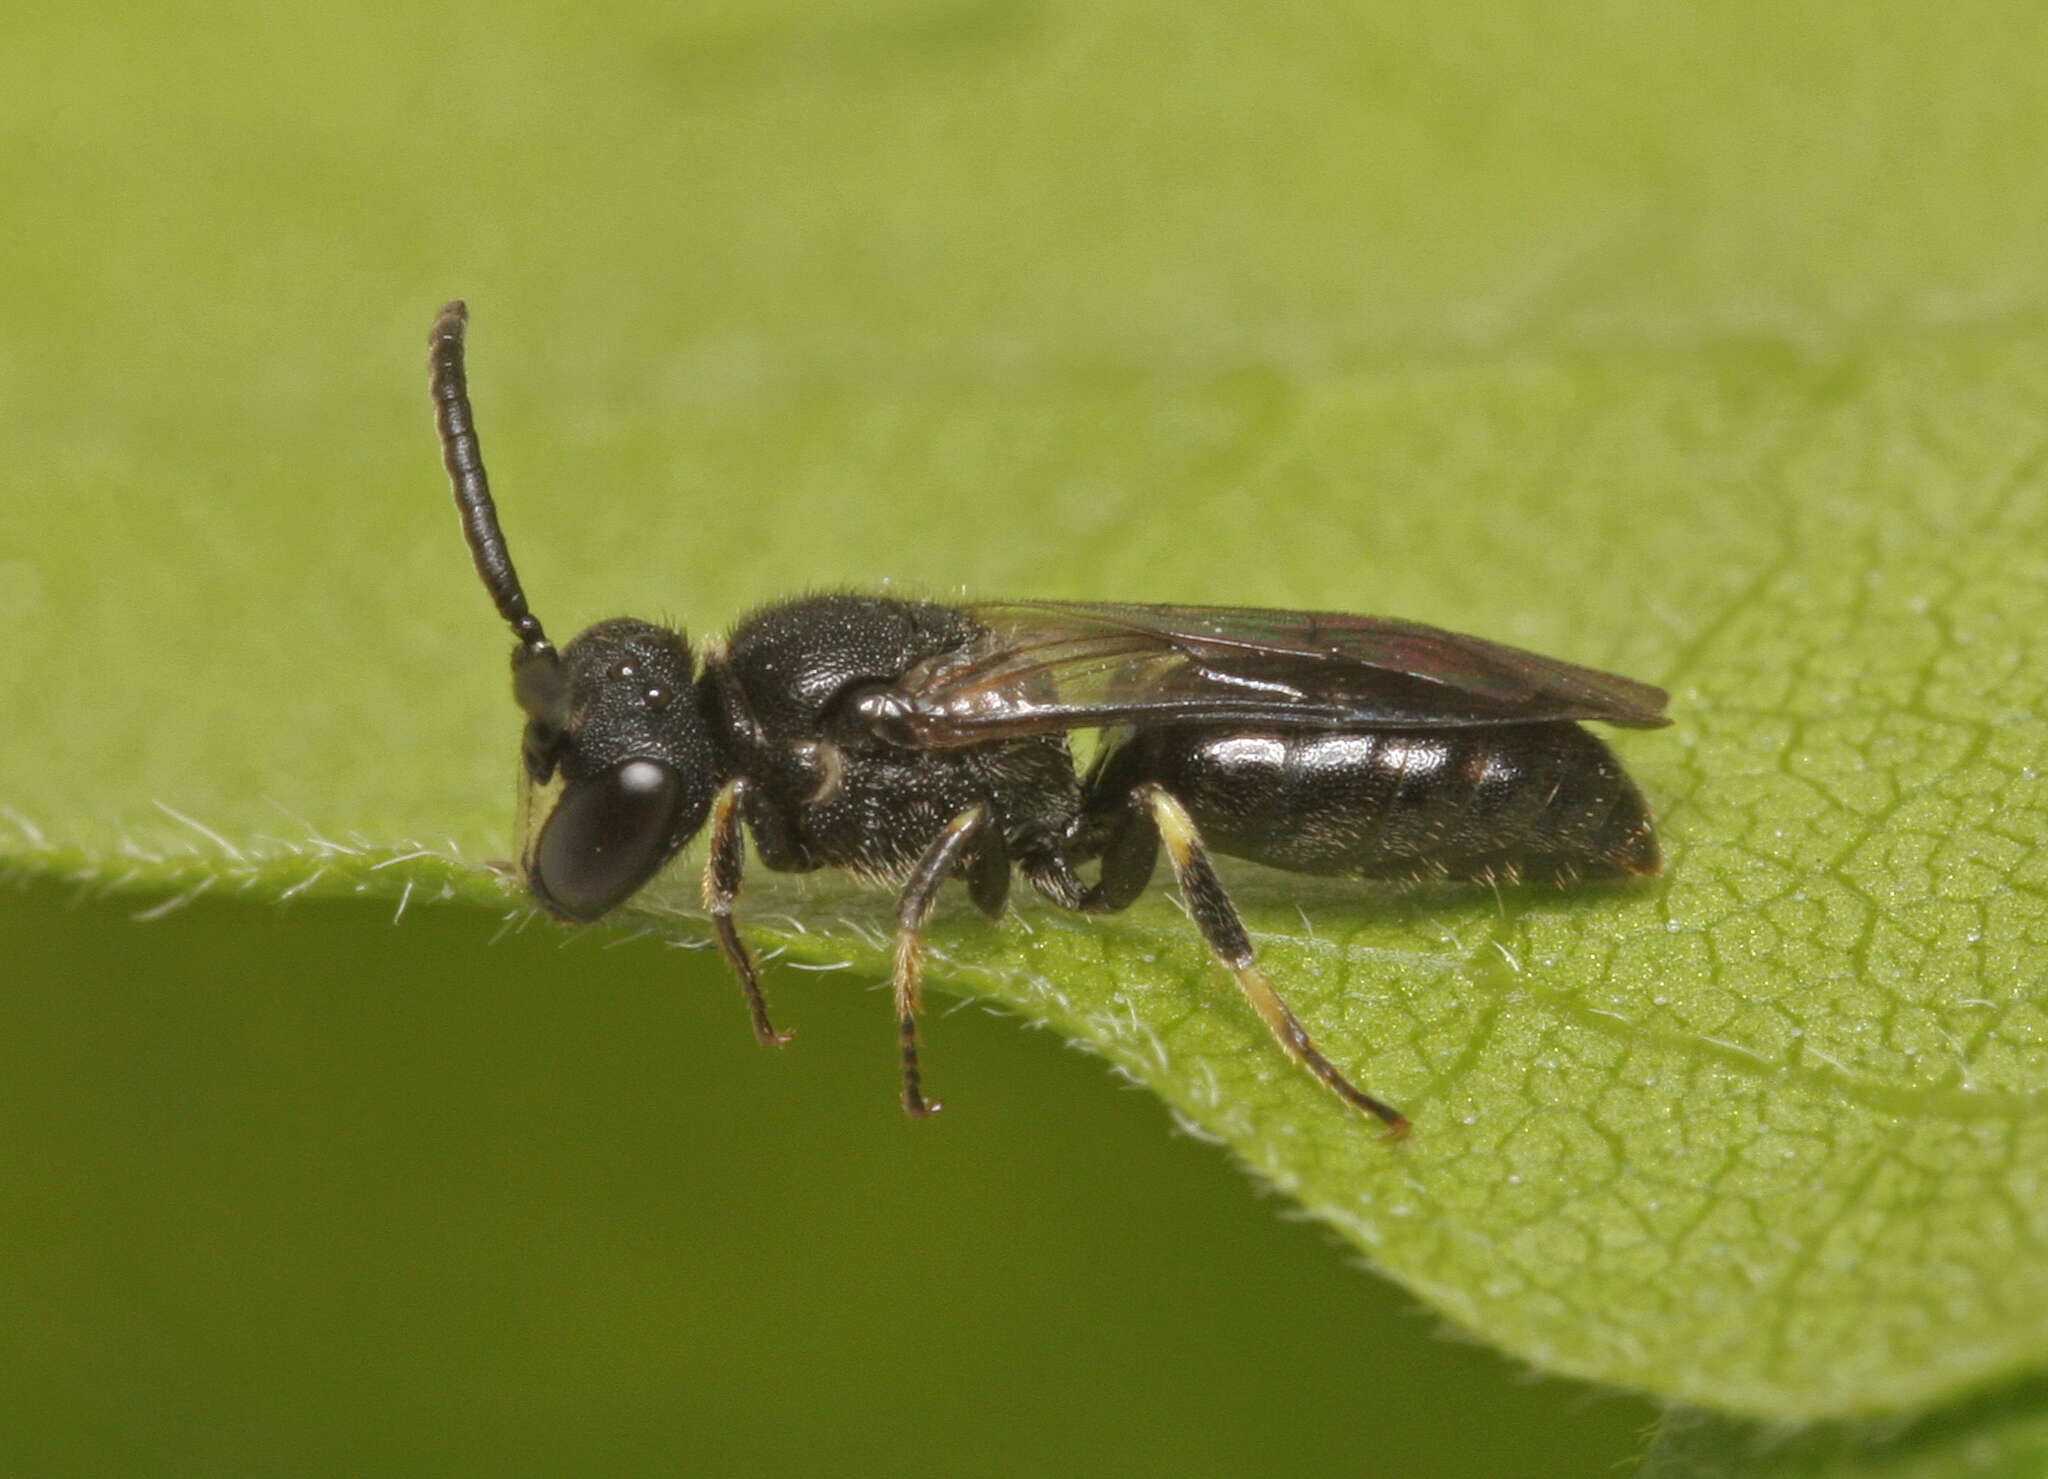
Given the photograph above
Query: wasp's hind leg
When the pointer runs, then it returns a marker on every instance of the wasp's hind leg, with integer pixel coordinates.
(723, 866)
(939, 862)
(1214, 915)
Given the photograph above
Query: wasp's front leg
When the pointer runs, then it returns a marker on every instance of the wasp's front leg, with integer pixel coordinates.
(723, 867)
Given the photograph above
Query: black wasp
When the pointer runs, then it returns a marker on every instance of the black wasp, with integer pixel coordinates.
(912, 742)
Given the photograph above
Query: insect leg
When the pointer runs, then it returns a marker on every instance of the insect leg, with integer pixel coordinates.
(723, 866)
(1210, 908)
(1126, 842)
(988, 875)
(1129, 855)
(912, 910)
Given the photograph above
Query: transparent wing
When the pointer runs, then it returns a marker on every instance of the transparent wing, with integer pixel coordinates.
(1051, 665)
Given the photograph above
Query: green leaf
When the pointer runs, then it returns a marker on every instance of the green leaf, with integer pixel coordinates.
(2002, 1435)
(1707, 351)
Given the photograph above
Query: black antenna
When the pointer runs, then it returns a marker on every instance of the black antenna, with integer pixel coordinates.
(464, 460)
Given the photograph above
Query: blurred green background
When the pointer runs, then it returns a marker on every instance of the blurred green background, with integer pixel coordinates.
(299, 1192)
(1017, 297)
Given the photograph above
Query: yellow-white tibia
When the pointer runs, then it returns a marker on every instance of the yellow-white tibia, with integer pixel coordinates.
(1216, 918)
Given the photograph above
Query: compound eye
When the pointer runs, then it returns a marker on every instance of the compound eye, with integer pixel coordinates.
(606, 837)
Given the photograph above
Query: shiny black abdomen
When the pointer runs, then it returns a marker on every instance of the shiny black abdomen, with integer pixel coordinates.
(1541, 802)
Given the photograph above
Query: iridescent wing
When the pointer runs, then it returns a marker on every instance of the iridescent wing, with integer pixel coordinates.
(1056, 665)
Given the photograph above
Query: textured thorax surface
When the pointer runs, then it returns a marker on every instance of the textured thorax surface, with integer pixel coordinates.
(825, 792)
